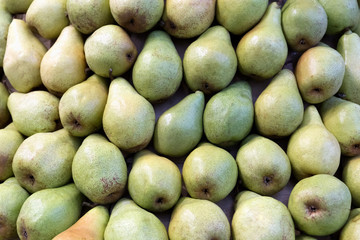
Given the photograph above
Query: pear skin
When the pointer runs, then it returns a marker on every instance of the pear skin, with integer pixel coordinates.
(17, 6)
(4, 111)
(5, 20)
(350, 173)
(242, 196)
(351, 230)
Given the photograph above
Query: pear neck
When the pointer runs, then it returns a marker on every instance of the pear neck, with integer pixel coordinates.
(272, 15)
(311, 117)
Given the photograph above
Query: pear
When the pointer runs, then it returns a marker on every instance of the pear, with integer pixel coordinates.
(4, 111)
(304, 237)
(304, 23)
(312, 149)
(263, 165)
(351, 230)
(357, 29)
(23, 56)
(342, 119)
(229, 115)
(128, 119)
(80, 112)
(5, 20)
(242, 196)
(198, 219)
(314, 201)
(209, 172)
(47, 17)
(48, 212)
(12, 197)
(158, 71)
(99, 170)
(240, 16)
(44, 160)
(262, 218)
(109, 51)
(349, 48)
(188, 18)
(16, 6)
(131, 222)
(89, 15)
(279, 109)
(319, 73)
(263, 50)
(350, 177)
(137, 16)
(90, 226)
(179, 129)
(34, 112)
(63, 65)
(210, 61)
(154, 182)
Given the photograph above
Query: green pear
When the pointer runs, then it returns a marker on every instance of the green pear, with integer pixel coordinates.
(47, 17)
(351, 230)
(210, 61)
(158, 71)
(89, 15)
(4, 111)
(240, 16)
(315, 200)
(5, 20)
(16, 6)
(131, 222)
(209, 172)
(242, 196)
(137, 16)
(198, 219)
(350, 176)
(23, 56)
(128, 119)
(312, 149)
(109, 51)
(262, 218)
(34, 112)
(263, 165)
(357, 29)
(263, 50)
(63, 65)
(188, 18)
(48, 212)
(341, 14)
(154, 182)
(179, 129)
(99, 170)
(304, 237)
(229, 115)
(80, 112)
(279, 109)
(304, 23)
(349, 48)
(44, 160)
(342, 119)
(319, 73)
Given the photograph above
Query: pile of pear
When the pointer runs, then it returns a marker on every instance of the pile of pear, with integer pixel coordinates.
(179, 119)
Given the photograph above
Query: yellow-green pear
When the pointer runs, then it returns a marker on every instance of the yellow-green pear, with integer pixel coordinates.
(242, 196)
(350, 176)
(5, 20)
(263, 50)
(304, 237)
(16, 6)
(23, 55)
(158, 71)
(351, 230)
(4, 111)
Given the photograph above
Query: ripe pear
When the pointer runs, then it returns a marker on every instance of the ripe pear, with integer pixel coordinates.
(137, 16)
(4, 111)
(240, 16)
(342, 119)
(304, 23)
(314, 201)
(179, 129)
(5, 20)
(154, 182)
(128, 119)
(48, 212)
(279, 109)
(312, 149)
(263, 50)
(99, 170)
(90, 226)
(242, 196)
(109, 51)
(350, 176)
(44, 160)
(23, 56)
(229, 115)
(158, 71)
(129, 221)
(80, 112)
(16, 6)
(210, 61)
(319, 73)
(63, 65)
(47, 17)
(188, 18)
(351, 230)
(263, 165)
(198, 219)
(209, 172)
(304, 237)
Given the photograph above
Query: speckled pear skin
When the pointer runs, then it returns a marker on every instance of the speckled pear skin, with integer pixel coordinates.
(5, 20)
(351, 229)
